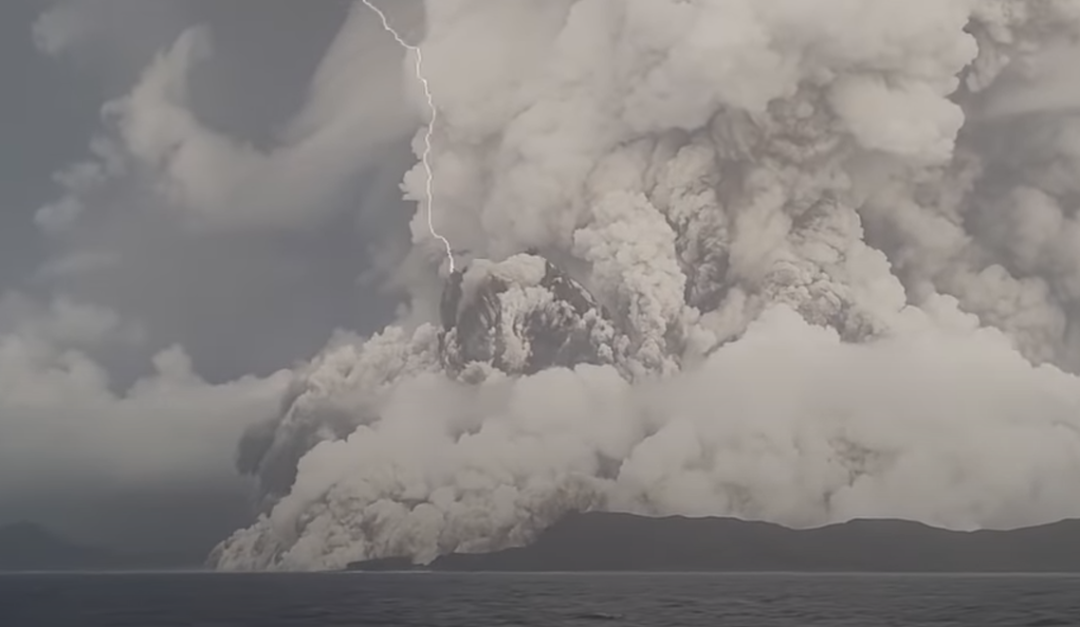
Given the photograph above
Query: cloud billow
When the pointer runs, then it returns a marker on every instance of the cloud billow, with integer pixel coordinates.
(832, 294)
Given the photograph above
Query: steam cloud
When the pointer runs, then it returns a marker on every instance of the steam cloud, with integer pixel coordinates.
(806, 261)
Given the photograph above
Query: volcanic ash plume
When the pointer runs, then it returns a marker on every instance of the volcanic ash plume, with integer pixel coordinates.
(774, 259)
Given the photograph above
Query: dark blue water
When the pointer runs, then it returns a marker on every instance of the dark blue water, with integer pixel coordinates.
(481, 600)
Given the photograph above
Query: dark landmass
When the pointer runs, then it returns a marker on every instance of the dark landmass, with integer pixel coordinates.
(28, 547)
(387, 564)
(623, 542)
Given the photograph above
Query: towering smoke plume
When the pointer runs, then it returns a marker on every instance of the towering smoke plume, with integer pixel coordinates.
(775, 259)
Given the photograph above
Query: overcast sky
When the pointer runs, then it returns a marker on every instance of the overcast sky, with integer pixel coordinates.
(124, 233)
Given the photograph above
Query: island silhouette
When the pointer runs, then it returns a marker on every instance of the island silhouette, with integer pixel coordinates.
(625, 542)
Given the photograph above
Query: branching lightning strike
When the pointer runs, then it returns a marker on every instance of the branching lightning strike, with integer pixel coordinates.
(426, 157)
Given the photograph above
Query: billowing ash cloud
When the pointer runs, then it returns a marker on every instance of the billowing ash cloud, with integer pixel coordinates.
(775, 259)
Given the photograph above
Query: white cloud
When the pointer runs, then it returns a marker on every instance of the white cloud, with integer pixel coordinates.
(65, 432)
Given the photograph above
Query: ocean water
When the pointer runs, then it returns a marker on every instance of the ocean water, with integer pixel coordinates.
(482, 600)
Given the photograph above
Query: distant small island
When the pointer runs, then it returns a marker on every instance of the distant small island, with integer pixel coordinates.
(30, 547)
(624, 542)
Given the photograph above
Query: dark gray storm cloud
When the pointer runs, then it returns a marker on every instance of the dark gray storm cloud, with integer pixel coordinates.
(240, 300)
(145, 305)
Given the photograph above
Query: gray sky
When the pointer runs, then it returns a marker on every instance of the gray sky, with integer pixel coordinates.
(141, 267)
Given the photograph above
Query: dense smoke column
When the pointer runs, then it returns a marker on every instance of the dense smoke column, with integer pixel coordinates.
(733, 257)
(520, 317)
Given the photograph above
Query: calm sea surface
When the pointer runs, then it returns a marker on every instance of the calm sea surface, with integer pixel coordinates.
(480, 600)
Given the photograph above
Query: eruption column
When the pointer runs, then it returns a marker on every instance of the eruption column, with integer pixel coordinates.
(425, 158)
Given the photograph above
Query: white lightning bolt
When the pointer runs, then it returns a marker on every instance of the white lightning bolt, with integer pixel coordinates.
(425, 158)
